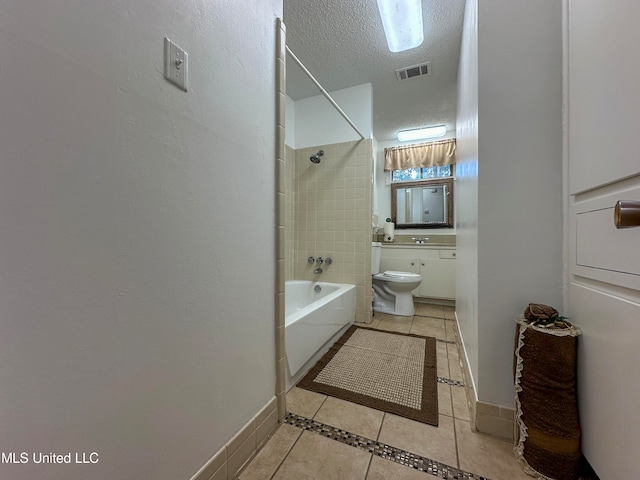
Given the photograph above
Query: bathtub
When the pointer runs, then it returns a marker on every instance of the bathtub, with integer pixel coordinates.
(314, 321)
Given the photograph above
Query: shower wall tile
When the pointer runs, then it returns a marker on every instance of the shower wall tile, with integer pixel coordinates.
(280, 310)
(280, 242)
(281, 106)
(280, 209)
(281, 185)
(289, 207)
(281, 71)
(235, 461)
(280, 268)
(332, 217)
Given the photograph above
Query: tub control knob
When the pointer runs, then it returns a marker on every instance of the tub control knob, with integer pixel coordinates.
(319, 261)
(311, 259)
(328, 261)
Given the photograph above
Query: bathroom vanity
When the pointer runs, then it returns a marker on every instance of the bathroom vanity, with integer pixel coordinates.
(436, 264)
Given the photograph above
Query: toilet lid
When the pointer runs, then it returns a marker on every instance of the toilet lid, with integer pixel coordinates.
(392, 273)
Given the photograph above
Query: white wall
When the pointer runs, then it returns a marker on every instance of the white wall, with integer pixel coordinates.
(317, 122)
(519, 181)
(127, 326)
(466, 190)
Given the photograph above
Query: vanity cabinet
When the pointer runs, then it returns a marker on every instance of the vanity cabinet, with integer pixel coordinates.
(436, 265)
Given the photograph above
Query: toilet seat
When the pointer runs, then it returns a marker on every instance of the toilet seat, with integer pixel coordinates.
(395, 274)
(398, 277)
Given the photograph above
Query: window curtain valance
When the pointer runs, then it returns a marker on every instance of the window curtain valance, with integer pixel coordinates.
(420, 155)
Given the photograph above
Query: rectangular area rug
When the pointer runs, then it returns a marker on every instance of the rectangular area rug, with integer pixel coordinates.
(388, 371)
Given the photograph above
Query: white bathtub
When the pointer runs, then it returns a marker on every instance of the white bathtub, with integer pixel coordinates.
(314, 321)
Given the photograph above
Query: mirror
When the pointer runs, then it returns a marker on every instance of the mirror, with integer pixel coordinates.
(424, 204)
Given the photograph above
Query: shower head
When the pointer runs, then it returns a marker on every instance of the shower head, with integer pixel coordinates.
(316, 158)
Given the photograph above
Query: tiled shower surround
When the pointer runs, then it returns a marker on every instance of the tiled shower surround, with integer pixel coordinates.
(328, 214)
(289, 211)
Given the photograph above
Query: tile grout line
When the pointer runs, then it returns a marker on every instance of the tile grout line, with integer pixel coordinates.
(382, 450)
(326, 397)
(297, 439)
(366, 474)
(455, 435)
(286, 455)
(384, 415)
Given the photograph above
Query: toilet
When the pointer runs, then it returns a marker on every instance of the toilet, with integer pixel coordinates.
(391, 289)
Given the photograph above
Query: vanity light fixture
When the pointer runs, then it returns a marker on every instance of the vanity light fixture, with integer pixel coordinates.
(402, 21)
(421, 133)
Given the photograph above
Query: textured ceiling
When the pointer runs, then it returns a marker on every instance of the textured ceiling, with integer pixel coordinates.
(342, 43)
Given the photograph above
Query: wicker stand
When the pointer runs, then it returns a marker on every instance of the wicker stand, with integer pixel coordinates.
(547, 424)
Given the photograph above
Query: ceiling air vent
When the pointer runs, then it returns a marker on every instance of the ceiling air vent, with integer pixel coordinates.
(413, 71)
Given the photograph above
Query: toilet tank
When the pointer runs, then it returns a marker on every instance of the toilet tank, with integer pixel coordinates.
(376, 248)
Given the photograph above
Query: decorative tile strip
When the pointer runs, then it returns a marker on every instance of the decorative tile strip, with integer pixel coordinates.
(448, 381)
(382, 450)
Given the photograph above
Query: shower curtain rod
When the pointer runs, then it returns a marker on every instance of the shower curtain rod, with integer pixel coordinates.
(324, 92)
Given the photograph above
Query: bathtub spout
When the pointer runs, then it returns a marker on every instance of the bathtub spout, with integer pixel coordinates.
(317, 271)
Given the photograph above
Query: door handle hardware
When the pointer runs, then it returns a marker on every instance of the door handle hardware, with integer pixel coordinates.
(626, 214)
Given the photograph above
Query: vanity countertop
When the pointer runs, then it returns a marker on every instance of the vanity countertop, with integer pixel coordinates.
(417, 245)
(405, 241)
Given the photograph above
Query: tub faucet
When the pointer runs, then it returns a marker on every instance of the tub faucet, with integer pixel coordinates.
(317, 271)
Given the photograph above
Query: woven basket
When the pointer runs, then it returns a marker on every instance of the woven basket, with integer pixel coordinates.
(547, 423)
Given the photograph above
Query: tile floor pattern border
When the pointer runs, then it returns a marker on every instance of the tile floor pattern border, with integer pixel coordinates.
(394, 454)
(448, 381)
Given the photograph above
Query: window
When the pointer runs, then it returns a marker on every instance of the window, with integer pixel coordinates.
(425, 173)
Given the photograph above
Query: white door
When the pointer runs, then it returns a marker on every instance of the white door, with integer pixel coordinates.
(603, 133)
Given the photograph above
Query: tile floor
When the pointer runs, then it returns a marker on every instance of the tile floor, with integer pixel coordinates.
(296, 453)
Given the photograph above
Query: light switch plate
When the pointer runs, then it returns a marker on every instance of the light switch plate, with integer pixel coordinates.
(176, 64)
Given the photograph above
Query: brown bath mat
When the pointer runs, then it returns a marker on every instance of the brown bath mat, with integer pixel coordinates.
(392, 372)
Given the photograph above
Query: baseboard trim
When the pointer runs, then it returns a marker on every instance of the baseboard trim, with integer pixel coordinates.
(486, 417)
(435, 301)
(229, 460)
(469, 384)
(495, 419)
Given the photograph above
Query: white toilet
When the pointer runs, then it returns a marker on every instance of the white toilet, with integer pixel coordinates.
(392, 290)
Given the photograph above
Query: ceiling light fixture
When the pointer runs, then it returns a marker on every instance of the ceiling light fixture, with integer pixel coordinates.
(421, 133)
(402, 21)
